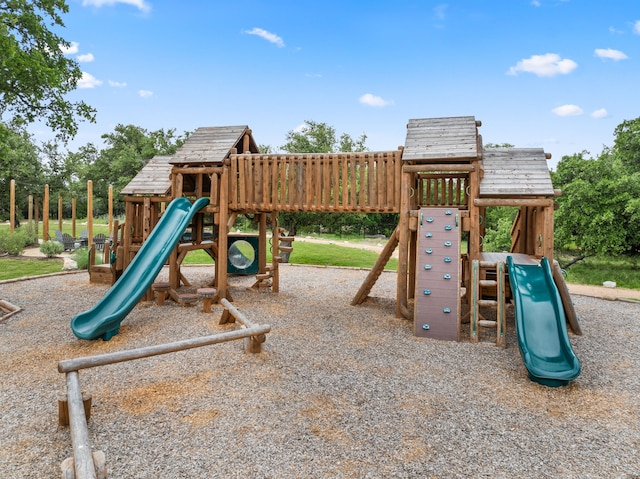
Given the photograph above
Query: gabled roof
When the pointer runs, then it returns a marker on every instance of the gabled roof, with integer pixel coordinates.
(441, 139)
(153, 179)
(212, 145)
(513, 172)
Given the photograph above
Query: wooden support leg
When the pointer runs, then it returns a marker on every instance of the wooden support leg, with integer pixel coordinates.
(63, 407)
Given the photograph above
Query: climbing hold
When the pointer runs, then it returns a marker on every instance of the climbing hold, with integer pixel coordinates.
(427, 292)
(447, 259)
(427, 266)
(448, 212)
(428, 235)
(426, 327)
(447, 243)
(446, 310)
(429, 219)
(447, 228)
(447, 276)
(428, 251)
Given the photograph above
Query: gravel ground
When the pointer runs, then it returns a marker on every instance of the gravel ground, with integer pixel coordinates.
(338, 392)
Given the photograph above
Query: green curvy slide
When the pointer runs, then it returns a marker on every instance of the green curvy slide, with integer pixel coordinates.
(103, 320)
(541, 324)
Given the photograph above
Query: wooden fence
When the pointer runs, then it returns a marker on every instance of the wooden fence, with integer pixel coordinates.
(334, 182)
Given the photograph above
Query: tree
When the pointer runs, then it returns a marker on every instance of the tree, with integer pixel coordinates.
(318, 137)
(599, 210)
(19, 161)
(35, 76)
(627, 143)
(127, 150)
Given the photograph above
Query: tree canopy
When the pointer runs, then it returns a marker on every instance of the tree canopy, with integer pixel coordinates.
(35, 76)
(599, 210)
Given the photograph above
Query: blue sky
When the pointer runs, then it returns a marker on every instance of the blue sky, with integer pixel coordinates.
(556, 74)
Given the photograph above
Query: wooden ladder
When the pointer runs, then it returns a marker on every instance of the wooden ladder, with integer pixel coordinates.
(478, 284)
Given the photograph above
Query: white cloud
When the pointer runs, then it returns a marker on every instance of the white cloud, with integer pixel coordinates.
(601, 113)
(116, 84)
(313, 75)
(268, 36)
(374, 100)
(440, 11)
(536, 3)
(88, 81)
(141, 5)
(85, 58)
(568, 110)
(636, 27)
(145, 93)
(547, 65)
(71, 49)
(610, 54)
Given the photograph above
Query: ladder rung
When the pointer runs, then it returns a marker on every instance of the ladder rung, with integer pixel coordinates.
(487, 302)
(488, 283)
(487, 323)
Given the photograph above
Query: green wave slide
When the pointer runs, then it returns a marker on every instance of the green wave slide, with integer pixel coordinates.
(103, 320)
(541, 324)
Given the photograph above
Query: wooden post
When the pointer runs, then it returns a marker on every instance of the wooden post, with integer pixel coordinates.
(82, 458)
(30, 213)
(402, 309)
(90, 211)
(60, 212)
(223, 232)
(12, 206)
(262, 243)
(110, 209)
(36, 214)
(73, 216)
(45, 214)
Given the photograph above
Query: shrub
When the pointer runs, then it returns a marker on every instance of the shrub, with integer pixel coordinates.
(14, 243)
(51, 248)
(81, 257)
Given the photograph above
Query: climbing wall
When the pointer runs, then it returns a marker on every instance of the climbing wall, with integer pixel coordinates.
(437, 296)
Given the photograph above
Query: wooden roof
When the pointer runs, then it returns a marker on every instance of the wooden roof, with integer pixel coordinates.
(153, 179)
(441, 139)
(212, 145)
(513, 172)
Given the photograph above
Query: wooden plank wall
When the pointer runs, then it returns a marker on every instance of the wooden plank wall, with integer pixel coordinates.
(331, 182)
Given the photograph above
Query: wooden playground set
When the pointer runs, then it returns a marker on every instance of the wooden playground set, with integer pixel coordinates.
(441, 179)
(440, 183)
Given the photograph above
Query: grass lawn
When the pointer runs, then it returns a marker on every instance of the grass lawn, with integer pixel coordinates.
(18, 268)
(315, 254)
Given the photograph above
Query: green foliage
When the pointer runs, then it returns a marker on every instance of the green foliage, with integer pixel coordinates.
(599, 211)
(14, 243)
(81, 257)
(499, 221)
(20, 268)
(51, 248)
(627, 143)
(36, 76)
(318, 137)
(19, 161)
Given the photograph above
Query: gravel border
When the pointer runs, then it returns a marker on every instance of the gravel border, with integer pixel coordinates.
(339, 391)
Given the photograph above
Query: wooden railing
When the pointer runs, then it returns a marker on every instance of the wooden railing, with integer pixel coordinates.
(340, 182)
(442, 189)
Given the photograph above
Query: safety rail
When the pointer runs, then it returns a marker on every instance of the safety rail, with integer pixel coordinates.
(442, 189)
(327, 182)
(88, 465)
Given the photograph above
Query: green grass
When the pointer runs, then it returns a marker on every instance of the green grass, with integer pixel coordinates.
(315, 254)
(625, 272)
(66, 228)
(19, 268)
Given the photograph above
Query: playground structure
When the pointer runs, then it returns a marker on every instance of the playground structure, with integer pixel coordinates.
(440, 183)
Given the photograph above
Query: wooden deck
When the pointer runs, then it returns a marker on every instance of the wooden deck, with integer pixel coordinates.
(518, 258)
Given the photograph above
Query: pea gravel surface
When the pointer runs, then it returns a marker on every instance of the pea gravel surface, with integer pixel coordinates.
(339, 391)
